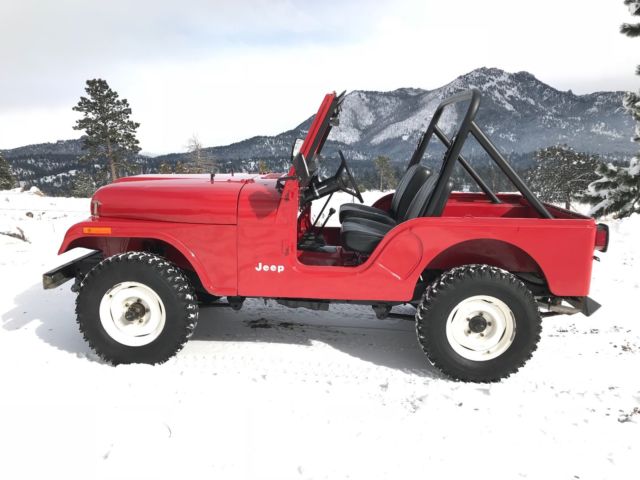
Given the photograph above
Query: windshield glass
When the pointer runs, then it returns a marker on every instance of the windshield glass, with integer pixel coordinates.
(296, 147)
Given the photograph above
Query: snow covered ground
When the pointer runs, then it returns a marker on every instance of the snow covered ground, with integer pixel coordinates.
(278, 393)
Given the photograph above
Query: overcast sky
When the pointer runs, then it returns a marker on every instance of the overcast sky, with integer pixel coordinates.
(227, 70)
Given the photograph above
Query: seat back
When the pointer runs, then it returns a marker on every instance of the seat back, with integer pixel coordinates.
(407, 189)
(420, 200)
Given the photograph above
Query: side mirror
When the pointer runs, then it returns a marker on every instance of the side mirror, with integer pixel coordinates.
(295, 149)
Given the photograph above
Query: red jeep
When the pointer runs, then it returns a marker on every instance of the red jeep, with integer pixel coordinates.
(480, 268)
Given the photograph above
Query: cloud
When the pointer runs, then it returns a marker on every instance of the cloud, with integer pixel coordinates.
(45, 44)
(231, 69)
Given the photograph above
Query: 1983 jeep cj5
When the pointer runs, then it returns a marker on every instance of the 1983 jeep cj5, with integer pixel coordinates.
(480, 268)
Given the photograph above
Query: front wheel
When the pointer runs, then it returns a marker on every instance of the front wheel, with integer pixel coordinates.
(478, 323)
(136, 307)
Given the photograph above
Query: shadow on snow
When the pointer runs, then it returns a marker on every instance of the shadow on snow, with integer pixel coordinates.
(351, 329)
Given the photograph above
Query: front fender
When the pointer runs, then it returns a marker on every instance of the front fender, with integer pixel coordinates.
(210, 250)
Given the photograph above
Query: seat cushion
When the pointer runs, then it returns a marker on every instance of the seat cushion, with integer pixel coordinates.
(409, 185)
(357, 210)
(363, 235)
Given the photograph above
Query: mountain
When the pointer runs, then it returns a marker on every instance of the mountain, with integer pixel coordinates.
(519, 112)
(52, 166)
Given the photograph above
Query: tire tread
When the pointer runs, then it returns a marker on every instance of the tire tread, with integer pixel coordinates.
(166, 270)
(450, 280)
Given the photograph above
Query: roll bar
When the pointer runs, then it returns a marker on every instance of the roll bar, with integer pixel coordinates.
(454, 147)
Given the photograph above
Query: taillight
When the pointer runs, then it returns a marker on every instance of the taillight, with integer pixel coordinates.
(602, 237)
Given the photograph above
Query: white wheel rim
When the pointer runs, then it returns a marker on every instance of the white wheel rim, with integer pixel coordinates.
(147, 325)
(488, 343)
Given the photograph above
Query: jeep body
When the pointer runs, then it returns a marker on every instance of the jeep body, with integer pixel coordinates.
(239, 235)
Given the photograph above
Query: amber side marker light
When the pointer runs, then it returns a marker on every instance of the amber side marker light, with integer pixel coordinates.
(97, 230)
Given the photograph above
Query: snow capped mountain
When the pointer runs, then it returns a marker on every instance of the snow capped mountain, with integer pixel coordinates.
(519, 112)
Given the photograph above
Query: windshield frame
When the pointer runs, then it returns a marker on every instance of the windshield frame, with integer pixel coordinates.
(319, 130)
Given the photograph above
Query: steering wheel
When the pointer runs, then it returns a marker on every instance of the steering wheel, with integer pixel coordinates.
(344, 185)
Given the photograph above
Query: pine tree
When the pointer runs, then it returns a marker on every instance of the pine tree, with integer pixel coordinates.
(110, 134)
(631, 29)
(7, 180)
(180, 168)
(631, 99)
(165, 168)
(83, 185)
(200, 160)
(617, 191)
(560, 174)
(386, 174)
(263, 167)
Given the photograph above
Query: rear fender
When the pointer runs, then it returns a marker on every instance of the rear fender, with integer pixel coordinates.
(496, 253)
(516, 245)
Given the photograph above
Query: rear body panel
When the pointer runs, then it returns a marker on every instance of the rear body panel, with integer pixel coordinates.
(559, 249)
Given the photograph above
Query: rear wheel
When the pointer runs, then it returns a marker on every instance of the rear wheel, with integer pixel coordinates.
(136, 307)
(478, 323)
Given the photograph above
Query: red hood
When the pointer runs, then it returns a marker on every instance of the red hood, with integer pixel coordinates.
(174, 198)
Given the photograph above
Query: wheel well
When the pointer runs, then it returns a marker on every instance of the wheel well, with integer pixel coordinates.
(496, 253)
(113, 245)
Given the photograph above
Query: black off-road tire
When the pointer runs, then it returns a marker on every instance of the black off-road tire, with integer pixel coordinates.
(446, 293)
(154, 272)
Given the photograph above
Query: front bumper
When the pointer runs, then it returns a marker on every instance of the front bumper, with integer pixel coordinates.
(80, 266)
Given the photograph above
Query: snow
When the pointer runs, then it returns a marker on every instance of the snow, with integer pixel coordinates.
(600, 128)
(369, 197)
(269, 392)
(356, 115)
(419, 121)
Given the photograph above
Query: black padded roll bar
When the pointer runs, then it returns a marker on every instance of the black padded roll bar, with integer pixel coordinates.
(472, 173)
(473, 95)
(438, 198)
(511, 174)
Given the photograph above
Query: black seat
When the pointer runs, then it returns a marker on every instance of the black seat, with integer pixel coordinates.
(408, 186)
(363, 234)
